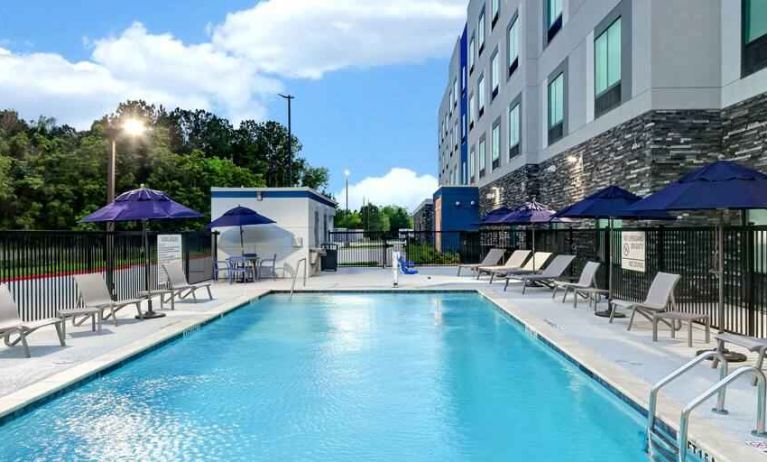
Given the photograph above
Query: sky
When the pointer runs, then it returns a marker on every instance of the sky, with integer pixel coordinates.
(367, 75)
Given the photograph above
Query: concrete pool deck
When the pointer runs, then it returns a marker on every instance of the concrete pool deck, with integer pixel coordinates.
(629, 361)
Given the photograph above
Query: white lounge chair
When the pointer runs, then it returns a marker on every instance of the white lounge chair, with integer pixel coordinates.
(493, 257)
(587, 280)
(180, 286)
(95, 294)
(659, 298)
(532, 265)
(548, 277)
(11, 323)
(515, 261)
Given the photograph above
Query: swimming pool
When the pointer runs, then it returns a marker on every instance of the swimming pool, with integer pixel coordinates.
(340, 377)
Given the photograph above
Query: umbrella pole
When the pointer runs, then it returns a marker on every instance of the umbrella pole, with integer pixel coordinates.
(606, 313)
(150, 313)
(730, 356)
(242, 244)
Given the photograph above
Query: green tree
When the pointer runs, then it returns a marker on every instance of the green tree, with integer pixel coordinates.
(398, 216)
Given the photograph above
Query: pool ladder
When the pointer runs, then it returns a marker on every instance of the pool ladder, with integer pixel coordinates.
(295, 276)
(662, 446)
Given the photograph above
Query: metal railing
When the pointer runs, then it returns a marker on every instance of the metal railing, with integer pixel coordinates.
(38, 266)
(653, 400)
(295, 276)
(684, 420)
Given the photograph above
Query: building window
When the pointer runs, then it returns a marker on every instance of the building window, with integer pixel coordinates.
(457, 134)
(482, 157)
(553, 18)
(754, 54)
(455, 91)
(512, 45)
(556, 108)
(495, 8)
(463, 127)
(607, 69)
(472, 164)
(481, 93)
(514, 130)
(472, 53)
(481, 30)
(496, 144)
(463, 78)
(472, 112)
(495, 74)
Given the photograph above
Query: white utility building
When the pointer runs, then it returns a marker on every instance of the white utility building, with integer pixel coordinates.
(303, 217)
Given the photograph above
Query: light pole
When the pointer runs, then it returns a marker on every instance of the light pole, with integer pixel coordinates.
(346, 174)
(290, 99)
(133, 128)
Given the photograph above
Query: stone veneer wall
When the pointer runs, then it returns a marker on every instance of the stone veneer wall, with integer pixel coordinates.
(640, 155)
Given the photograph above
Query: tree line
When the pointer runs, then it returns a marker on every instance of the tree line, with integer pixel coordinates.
(372, 218)
(53, 175)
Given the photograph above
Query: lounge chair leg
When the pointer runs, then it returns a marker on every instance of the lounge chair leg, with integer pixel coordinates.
(459, 270)
(612, 310)
(23, 338)
(93, 322)
(64, 326)
(209, 292)
(194, 295)
(524, 285)
(60, 332)
(506, 286)
(114, 315)
(492, 276)
(138, 308)
(631, 320)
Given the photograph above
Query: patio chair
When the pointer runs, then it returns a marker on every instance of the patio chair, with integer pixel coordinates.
(179, 285)
(549, 276)
(516, 260)
(220, 266)
(532, 265)
(659, 298)
(587, 280)
(240, 268)
(11, 323)
(752, 344)
(493, 257)
(95, 294)
(268, 264)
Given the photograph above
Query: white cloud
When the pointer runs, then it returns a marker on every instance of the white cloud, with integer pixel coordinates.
(239, 68)
(400, 186)
(307, 38)
(133, 65)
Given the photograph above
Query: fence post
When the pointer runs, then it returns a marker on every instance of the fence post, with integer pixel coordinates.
(750, 286)
(661, 249)
(110, 260)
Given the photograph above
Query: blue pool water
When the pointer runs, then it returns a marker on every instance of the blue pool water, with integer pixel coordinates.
(347, 377)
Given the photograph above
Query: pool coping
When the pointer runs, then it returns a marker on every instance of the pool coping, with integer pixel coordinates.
(626, 387)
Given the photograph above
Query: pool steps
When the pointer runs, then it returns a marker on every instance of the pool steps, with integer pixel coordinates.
(663, 445)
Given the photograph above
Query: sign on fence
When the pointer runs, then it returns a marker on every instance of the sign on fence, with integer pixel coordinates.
(633, 250)
(168, 251)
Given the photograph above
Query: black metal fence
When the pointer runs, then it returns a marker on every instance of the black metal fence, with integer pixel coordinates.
(38, 265)
(690, 252)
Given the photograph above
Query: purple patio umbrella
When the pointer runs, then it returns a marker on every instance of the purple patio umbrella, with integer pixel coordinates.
(240, 216)
(142, 205)
(719, 186)
(610, 203)
(495, 216)
(532, 213)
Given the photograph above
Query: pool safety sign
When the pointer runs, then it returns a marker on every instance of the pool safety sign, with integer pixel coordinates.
(633, 251)
(168, 251)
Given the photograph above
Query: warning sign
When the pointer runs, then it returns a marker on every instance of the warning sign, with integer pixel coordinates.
(633, 251)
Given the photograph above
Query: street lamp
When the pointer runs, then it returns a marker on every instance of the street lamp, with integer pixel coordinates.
(290, 99)
(131, 127)
(346, 174)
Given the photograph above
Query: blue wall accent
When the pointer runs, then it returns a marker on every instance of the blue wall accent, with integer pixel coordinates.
(464, 107)
(462, 217)
(249, 193)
